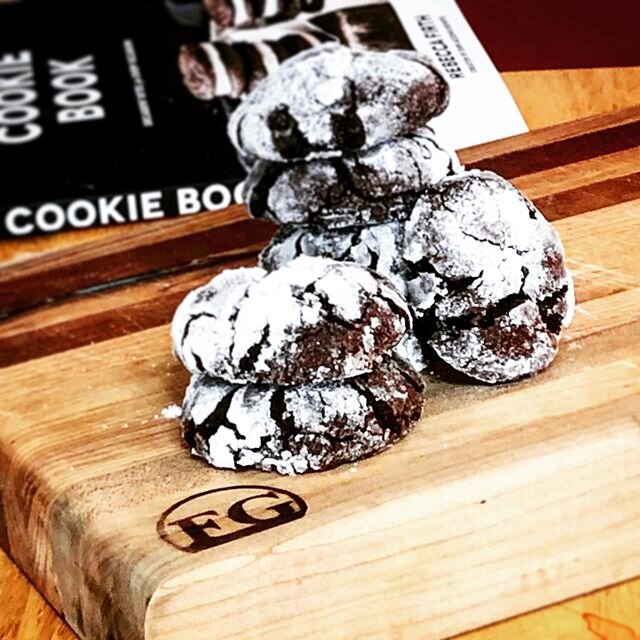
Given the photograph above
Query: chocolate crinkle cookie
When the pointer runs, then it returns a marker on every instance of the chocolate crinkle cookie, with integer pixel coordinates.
(487, 278)
(313, 320)
(332, 99)
(376, 185)
(378, 247)
(302, 428)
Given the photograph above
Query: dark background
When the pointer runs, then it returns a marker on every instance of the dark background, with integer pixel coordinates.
(524, 35)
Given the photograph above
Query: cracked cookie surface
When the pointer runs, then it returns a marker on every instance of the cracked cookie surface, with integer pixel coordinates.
(378, 247)
(486, 278)
(301, 428)
(315, 319)
(377, 185)
(331, 99)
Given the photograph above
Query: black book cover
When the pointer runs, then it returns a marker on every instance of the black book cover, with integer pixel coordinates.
(96, 126)
(116, 112)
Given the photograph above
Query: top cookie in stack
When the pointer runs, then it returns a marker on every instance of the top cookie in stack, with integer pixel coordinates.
(331, 100)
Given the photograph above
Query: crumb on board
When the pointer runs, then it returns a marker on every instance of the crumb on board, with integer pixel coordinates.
(171, 412)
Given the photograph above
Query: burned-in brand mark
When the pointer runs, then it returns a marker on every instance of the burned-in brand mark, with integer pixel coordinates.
(215, 517)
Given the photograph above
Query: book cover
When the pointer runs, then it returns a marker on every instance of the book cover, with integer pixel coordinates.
(114, 113)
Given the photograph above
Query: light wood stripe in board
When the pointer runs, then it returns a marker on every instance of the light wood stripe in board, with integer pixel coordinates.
(554, 154)
(579, 174)
(590, 197)
(601, 249)
(600, 314)
(547, 135)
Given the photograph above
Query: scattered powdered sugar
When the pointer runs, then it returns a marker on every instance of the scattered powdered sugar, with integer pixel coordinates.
(171, 412)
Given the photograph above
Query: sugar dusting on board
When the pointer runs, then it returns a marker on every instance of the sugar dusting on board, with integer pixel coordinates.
(171, 412)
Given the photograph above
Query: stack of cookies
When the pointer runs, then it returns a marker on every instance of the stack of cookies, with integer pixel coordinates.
(292, 369)
(348, 168)
(310, 360)
(344, 157)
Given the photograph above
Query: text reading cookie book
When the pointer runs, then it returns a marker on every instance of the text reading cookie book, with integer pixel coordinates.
(390, 258)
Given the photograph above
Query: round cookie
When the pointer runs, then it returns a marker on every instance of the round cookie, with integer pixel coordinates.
(313, 320)
(486, 278)
(378, 247)
(331, 99)
(302, 428)
(376, 185)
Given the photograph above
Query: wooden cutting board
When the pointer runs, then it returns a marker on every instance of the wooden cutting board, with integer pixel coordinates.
(504, 499)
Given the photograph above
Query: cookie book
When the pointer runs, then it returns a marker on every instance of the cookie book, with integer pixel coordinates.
(119, 113)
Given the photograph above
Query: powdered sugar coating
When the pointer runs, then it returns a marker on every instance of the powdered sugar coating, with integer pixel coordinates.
(378, 247)
(410, 350)
(377, 185)
(302, 428)
(487, 278)
(315, 319)
(332, 99)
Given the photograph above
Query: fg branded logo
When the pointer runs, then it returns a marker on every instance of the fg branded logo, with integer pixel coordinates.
(216, 517)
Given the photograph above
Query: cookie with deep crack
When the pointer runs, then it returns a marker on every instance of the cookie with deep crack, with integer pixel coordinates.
(378, 247)
(302, 428)
(487, 278)
(331, 100)
(374, 186)
(313, 320)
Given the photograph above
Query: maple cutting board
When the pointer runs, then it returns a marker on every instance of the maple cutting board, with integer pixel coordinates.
(503, 499)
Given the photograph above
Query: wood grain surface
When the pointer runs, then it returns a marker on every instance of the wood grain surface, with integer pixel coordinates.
(611, 614)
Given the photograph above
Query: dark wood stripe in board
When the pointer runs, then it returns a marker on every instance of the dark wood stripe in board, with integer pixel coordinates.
(130, 309)
(556, 154)
(590, 197)
(160, 246)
